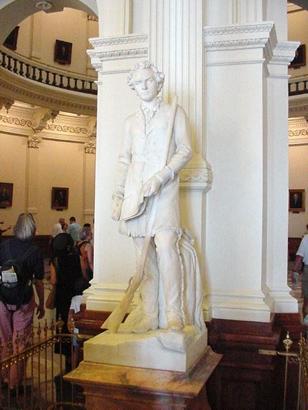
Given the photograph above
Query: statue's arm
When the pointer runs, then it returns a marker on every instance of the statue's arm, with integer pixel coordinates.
(178, 160)
(183, 152)
(121, 174)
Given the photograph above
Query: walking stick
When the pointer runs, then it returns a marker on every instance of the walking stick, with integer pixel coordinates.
(113, 322)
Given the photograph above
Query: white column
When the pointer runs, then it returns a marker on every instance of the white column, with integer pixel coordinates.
(114, 259)
(174, 43)
(246, 219)
(275, 286)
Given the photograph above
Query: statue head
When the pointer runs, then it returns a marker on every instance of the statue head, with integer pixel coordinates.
(146, 80)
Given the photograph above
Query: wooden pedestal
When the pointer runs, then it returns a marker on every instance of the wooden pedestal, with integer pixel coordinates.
(119, 387)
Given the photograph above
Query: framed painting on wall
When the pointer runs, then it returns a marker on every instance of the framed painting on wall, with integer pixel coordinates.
(59, 198)
(6, 194)
(296, 200)
(63, 52)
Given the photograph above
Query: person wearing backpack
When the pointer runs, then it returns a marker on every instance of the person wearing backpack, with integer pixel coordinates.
(65, 270)
(21, 266)
(85, 249)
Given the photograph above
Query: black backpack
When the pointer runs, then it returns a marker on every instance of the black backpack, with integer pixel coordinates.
(15, 279)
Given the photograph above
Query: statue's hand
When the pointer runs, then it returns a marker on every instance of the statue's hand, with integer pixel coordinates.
(116, 207)
(152, 186)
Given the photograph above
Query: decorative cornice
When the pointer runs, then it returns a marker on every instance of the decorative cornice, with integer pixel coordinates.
(236, 29)
(20, 122)
(284, 52)
(117, 48)
(66, 129)
(113, 41)
(119, 54)
(237, 36)
(298, 133)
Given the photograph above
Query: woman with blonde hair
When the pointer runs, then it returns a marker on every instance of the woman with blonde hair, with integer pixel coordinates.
(21, 266)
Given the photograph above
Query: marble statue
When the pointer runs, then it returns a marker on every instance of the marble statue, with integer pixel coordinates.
(155, 147)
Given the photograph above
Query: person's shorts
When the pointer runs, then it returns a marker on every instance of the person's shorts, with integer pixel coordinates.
(305, 281)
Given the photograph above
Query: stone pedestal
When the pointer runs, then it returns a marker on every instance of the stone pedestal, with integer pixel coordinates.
(159, 349)
(120, 387)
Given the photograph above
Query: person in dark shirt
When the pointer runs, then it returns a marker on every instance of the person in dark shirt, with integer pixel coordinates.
(65, 270)
(16, 313)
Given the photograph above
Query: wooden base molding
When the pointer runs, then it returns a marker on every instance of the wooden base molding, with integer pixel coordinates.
(120, 387)
(246, 379)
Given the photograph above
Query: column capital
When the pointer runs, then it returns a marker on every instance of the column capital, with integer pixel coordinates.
(241, 44)
(114, 54)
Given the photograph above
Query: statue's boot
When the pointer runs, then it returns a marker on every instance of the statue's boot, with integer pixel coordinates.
(171, 275)
(144, 316)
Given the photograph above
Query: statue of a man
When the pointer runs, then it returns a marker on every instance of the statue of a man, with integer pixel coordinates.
(146, 199)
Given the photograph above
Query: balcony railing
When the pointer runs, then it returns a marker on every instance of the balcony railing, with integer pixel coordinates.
(298, 86)
(45, 74)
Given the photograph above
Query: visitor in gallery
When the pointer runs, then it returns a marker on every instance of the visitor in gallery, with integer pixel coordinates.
(21, 266)
(65, 270)
(301, 264)
(85, 249)
(74, 229)
(59, 227)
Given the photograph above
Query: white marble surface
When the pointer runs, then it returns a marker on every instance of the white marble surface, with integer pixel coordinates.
(163, 350)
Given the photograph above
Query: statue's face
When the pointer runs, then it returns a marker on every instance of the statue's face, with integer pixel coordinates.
(145, 84)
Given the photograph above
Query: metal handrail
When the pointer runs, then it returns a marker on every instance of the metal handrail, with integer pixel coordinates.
(46, 75)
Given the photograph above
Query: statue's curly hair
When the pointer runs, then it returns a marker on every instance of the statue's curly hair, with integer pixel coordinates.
(144, 65)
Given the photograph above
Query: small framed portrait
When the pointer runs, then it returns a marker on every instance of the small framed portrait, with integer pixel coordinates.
(59, 198)
(11, 40)
(63, 52)
(300, 57)
(6, 194)
(296, 200)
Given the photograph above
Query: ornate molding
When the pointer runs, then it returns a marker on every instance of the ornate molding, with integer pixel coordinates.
(298, 133)
(238, 36)
(236, 29)
(121, 54)
(199, 177)
(6, 103)
(11, 86)
(115, 41)
(34, 141)
(40, 118)
(20, 122)
(90, 145)
(284, 52)
(66, 129)
(111, 49)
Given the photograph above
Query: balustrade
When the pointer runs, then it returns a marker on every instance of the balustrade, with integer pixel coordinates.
(46, 75)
